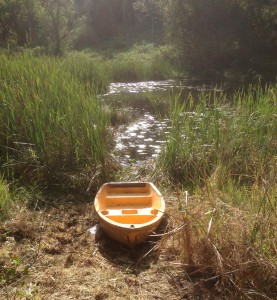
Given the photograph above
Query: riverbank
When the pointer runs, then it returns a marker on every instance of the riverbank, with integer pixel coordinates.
(57, 142)
(51, 254)
(59, 252)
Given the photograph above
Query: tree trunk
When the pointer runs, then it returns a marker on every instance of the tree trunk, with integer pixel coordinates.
(57, 31)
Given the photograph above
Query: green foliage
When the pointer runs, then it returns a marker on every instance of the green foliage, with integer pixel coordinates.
(224, 36)
(20, 22)
(57, 25)
(64, 24)
(104, 19)
(150, 12)
(142, 62)
(119, 20)
(16, 270)
(47, 23)
(234, 38)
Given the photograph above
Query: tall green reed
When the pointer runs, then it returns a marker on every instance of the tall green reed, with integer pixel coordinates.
(238, 133)
(140, 63)
(50, 119)
(225, 150)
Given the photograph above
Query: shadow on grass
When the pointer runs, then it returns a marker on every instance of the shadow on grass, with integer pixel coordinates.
(135, 260)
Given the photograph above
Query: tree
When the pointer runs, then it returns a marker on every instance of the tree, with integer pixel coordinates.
(64, 22)
(20, 22)
(9, 17)
(218, 36)
(150, 13)
(28, 23)
(105, 20)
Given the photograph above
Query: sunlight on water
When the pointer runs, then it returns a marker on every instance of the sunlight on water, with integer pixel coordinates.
(155, 86)
(139, 141)
(138, 87)
(143, 138)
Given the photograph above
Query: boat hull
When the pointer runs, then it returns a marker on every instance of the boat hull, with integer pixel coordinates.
(128, 236)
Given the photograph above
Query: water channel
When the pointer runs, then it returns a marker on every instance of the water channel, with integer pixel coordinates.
(142, 138)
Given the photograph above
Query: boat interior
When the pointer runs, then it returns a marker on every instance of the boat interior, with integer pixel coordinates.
(129, 203)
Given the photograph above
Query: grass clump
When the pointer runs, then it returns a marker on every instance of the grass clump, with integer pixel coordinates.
(6, 198)
(141, 63)
(50, 121)
(11, 196)
(89, 70)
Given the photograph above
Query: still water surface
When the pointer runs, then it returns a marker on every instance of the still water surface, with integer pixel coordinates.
(143, 137)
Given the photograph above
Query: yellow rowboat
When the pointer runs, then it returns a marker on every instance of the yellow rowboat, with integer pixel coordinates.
(129, 211)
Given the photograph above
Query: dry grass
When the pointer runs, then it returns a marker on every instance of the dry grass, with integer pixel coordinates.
(199, 253)
(65, 261)
(216, 250)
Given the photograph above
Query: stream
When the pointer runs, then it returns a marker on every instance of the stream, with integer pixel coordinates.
(143, 136)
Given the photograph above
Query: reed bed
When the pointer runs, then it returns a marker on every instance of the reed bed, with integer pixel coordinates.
(223, 151)
(53, 128)
(238, 134)
(140, 63)
(51, 123)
